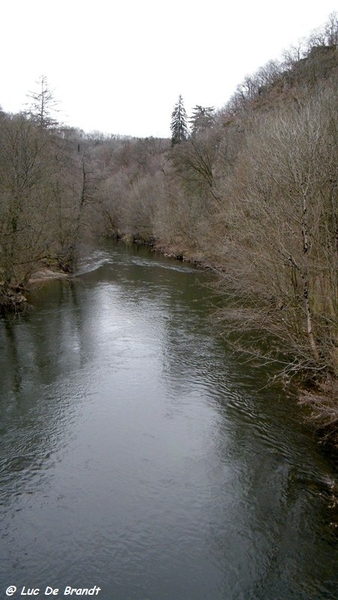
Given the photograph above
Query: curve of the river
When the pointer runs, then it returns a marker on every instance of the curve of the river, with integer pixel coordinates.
(138, 455)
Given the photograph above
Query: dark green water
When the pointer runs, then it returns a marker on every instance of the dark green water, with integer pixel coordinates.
(138, 455)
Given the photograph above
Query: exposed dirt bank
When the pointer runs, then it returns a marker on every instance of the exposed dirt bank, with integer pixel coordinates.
(46, 274)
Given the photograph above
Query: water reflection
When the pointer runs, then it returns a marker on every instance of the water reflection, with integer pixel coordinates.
(138, 455)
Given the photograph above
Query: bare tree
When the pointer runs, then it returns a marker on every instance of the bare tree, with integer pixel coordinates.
(25, 168)
(282, 219)
(42, 107)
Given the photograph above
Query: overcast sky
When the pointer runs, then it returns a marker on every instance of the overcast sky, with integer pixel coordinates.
(119, 66)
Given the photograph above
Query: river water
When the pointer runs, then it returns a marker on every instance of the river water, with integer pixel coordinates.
(139, 455)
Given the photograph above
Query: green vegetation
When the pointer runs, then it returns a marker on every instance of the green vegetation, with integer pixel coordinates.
(252, 191)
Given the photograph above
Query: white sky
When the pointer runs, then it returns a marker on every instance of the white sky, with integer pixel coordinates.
(119, 66)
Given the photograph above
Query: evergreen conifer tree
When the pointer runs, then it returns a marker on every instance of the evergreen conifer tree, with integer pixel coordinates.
(178, 126)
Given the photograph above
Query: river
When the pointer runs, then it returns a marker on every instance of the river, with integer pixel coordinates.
(141, 456)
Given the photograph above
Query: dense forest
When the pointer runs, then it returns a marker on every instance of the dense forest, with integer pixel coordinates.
(250, 190)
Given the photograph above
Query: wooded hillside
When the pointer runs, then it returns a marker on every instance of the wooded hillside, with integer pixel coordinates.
(251, 190)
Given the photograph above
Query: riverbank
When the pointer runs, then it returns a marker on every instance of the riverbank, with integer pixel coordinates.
(46, 274)
(321, 401)
(318, 394)
(13, 298)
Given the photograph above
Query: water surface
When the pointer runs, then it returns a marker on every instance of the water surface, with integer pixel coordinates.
(139, 455)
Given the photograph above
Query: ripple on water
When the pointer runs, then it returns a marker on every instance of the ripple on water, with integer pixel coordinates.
(138, 454)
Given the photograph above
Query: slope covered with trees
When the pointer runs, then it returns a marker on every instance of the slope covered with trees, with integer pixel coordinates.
(252, 190)
(45, 189)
